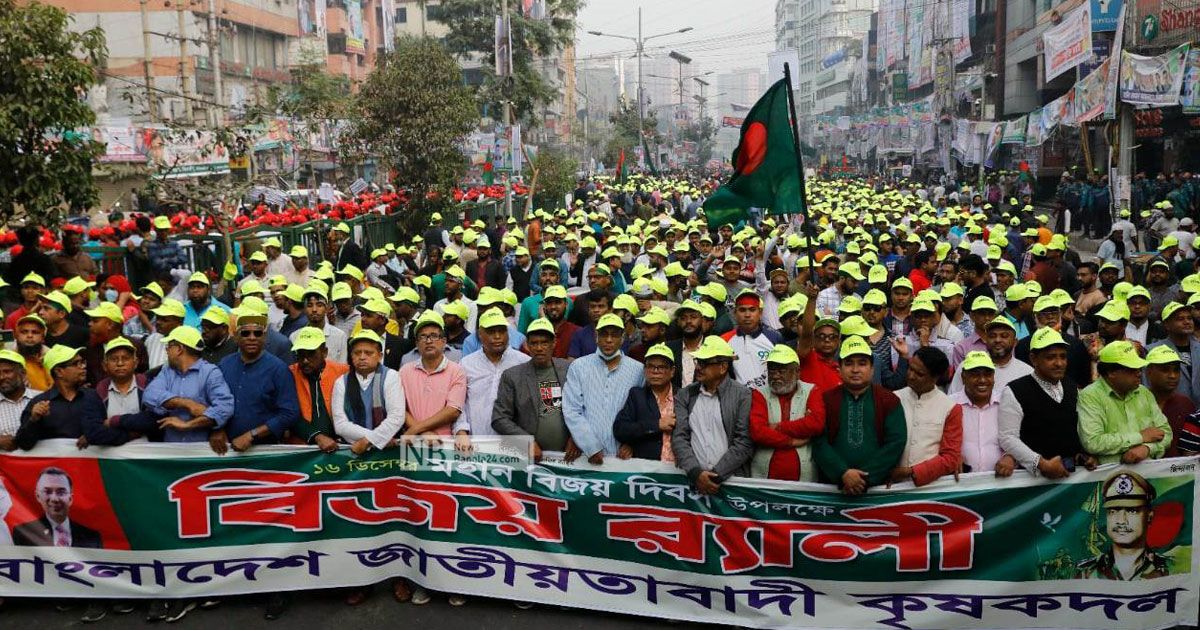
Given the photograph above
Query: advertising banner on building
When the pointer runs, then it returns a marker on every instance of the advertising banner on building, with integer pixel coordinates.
(1089, 94)
(1069, 43)
(148, 521)
(184, 153)
(1189, 97)
(1033, 129)
(1014, 131)
(121, 144)
(1153, 80)
(1105, 14)
(389, 25)
(356, 38)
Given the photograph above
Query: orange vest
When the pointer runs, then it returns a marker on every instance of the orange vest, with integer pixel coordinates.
(332, 372)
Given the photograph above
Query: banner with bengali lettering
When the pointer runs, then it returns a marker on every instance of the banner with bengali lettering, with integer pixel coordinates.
(148, 520)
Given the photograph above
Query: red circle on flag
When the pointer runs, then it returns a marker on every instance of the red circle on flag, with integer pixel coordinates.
(753, 149)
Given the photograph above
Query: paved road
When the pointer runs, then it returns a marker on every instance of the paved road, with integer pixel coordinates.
(321, 610)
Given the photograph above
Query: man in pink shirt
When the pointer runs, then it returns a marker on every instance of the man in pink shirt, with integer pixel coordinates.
(980, 403)
(435, 393)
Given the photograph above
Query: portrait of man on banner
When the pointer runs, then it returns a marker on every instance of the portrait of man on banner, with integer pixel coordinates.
(55, 494)
(1133, 531)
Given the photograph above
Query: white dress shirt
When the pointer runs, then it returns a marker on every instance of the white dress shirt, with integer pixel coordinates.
(483, 381)
(709, 441)
(393, 401)
(10, 412)
(981, 432)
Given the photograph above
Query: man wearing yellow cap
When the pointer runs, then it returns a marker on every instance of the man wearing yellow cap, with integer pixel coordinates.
(711, 441)
(68, 409)
(1163, 379)
(529, 395)
(15, 395)
(200, 299)
(107, 321)
(785, 414)
(348, 252)
(865, 430)
(30, 288)
(1119, 419)
(60, 329)
(484, 367)
(597, 385)
(278, 263)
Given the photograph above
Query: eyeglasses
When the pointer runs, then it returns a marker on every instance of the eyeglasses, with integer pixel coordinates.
(428, 337)
(658, 368)
(827, 337)
(252, 333)
(872, 307)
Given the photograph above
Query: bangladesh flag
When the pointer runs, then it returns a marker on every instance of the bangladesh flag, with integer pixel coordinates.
(765, 170)
(489, 171)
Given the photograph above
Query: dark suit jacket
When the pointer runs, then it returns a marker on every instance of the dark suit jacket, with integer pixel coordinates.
(493, 274)
(735, 415)
(352, 254)
(38, 534)
(637, 424)
(515, 411)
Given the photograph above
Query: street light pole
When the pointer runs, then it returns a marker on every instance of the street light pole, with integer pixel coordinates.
(640, 47)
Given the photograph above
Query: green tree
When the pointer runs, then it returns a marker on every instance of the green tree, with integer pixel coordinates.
(472, 26)
(414, 112)
(45, 70)
(701, 133)
(555, 177)
(625, 133)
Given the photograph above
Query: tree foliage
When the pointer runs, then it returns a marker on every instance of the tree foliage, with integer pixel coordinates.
(472, 25)
(555, 177)
(45, 73)
(701, 133)
(314, 96)
(414, 112)
(625, 134)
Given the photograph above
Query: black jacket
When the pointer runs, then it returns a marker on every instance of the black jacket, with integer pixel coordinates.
(637, 424)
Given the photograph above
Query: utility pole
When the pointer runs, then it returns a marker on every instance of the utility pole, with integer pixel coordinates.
(640, 43)
(185, 86)
(214, 60)
(507, 108)
(147, 64)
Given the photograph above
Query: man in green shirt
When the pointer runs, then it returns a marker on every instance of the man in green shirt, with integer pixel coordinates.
(865, 431)
(1119, 419)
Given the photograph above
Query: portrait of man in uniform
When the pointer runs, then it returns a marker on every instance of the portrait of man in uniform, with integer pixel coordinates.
(55, 528)
(1128, 506)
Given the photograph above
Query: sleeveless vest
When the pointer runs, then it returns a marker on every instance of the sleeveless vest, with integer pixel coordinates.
(1049, 428)
(520, 280)
(925, 420)
(760, 465)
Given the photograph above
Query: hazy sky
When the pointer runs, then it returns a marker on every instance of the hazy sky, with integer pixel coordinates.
(727, 33)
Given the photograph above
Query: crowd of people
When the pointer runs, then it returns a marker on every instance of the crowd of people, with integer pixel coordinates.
(903, 333)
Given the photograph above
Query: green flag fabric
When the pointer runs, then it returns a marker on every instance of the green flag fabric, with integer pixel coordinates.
(764, 162)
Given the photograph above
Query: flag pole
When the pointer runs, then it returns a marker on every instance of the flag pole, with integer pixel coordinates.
(795, 124)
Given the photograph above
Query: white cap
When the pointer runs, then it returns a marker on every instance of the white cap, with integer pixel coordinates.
(1186, 221)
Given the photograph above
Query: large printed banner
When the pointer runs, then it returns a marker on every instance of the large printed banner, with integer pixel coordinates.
(154, 520)
(1153, 80)
(1068, 43)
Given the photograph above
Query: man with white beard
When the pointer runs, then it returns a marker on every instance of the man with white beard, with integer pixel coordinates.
(784, 415)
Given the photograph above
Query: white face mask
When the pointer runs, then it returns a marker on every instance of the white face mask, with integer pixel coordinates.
(609, 357)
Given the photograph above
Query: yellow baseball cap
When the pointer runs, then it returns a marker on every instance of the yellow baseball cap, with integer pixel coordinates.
(713, 347)
(1114, 311)
(170, 308)
(430, 318)
(57, 355)
(258, 257)
(119, 342)
(12, 356)
(106, 310)
(1001, 320)
(366, 335)
(877, 274)
(874, 297)
(924, 305)
(655, 315)
(783, 355)
(162, 223)
(625, 302)
(1045, 338)
(216, 316)
(59, 300)
(1138, 291)
(492, 318)
(713, 291)
(976, 359)
(853, 346)
(341, 291)
(456, 272)
(352, 271)
(950, 289)
(298, 251)
(660, 350)
(902, 282)
(1162, 355)
(33, 278)
(540, 325)
(1122, 353)
(406, 294)
(153, 289)
(610, 320)
(1045, 303)
(855, 325)
(377, 306)
(77, 285)
(1171, 308)
(273, 242)
(458, 309)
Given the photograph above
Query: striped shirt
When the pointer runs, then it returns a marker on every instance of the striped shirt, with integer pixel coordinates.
(592, 397)
(10, 411)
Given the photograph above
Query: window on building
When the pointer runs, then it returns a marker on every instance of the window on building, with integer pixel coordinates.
(435, 13)
(402, 15)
